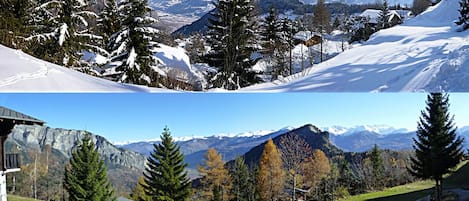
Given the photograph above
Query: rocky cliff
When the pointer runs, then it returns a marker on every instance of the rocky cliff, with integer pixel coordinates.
(65, 140)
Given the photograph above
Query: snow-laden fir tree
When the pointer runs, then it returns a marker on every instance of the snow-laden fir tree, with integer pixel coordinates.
(132, 45)
(109, 22)
(463, 19)
(63, 31)
(383, 18)
(165, 174)
(15, 16)
(274, 44)
(232, 39)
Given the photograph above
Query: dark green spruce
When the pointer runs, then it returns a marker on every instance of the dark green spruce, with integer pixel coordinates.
(232, 38)
(85, 177)
(378, 167)
(243, 187)
(165, 175)
(463, 19)
(437, 147)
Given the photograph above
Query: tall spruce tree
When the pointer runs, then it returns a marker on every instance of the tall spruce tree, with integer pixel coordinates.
(378, 167)
(232, 37)
(383, 18)
(133, 44)
(322, 17)
(109, 23)
(85, 176)
(274, 44)
(165, 175)
(437, 148)
(242, 185)
(463, 19)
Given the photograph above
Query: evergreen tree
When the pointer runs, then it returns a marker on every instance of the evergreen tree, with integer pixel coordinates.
(165, 175)
(232, 38)
(270, 179)
(15, 16)
(65, 34)
(437, 148)
(215, 177)
(274, 44)
(85, 176)
(242, 187)
(463, 19)
(139, 194)
(378, 167)
(383, 18)
(132, 45)
(109, 23)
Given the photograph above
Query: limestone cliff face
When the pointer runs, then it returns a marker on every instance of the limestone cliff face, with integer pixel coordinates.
(65, 140)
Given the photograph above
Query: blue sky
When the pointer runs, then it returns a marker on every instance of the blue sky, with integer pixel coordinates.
(130, 117)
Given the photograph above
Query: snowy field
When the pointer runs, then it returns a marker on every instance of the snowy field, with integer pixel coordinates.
(425, 53)
(23, 73)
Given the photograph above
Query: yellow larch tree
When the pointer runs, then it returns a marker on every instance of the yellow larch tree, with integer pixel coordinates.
(270, 179)
(215, 177)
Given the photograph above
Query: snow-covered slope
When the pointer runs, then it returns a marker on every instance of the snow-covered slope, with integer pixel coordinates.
(425, 53)
(20, 72)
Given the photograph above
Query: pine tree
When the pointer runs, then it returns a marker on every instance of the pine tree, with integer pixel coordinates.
(378, 167)
(109, 23)
(274, 44)
(139, 194)
(215, 177)
(132, 45)
(85, 176)
(165, 175)
(232, 38)
(242, 185)
(65, 34)
(270, 179)
(463, 19)
(437, 148)
(15, 16)
(383, 18)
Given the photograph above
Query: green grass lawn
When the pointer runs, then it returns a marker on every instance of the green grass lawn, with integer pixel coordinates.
(17, 198)
(418, 189)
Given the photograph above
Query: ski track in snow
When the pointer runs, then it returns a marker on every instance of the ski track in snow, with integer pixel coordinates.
(42, 72)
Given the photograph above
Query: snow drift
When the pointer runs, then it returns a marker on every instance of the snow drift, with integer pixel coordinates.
(22, 72)
(425, 53)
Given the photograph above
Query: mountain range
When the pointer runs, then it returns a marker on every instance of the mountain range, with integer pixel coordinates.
(125, 162)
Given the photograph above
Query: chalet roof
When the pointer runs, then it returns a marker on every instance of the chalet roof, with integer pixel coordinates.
(6, 113)
(373, 14)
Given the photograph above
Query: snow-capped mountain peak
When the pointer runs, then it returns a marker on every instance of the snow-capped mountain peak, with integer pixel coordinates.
(250, 134)
(379, 129)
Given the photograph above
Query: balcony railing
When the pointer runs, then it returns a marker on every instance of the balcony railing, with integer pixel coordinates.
(12, 161)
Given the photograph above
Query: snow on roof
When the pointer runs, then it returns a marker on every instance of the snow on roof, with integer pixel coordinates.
(304, 35)
(425, 53)
(21, 72)
(373, 14)
(176, 58)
